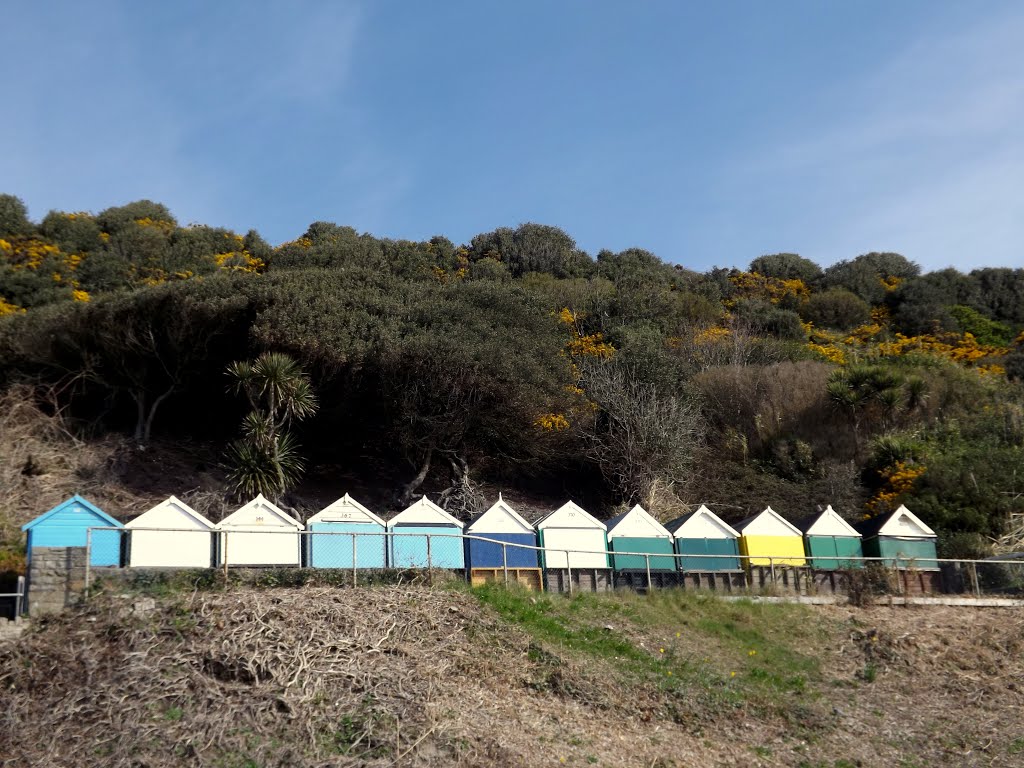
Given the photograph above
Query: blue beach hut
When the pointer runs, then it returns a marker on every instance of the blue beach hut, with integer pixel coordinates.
(66, 525)
(340, 529)
(425, 536)
(500, 523)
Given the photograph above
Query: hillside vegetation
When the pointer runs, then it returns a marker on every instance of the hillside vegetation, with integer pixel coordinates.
(515, 361)
(411, 676)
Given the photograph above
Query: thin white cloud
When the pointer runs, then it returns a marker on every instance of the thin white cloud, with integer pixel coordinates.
(923, 155)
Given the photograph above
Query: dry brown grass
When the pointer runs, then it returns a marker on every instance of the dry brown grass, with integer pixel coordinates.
(417, 677)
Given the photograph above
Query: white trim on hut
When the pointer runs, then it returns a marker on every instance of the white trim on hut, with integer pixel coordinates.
(768, 523)
(829, 523)
(345, 510)
(702, 524)
(905, 523)
(637, 523)
(570, 527)
(499, 518)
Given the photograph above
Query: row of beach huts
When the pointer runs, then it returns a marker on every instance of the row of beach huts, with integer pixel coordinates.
(348, 535)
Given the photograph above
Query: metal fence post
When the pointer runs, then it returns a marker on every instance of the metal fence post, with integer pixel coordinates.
(647, 562)
(430, 563)
(88, 559)
(19, 601)
(224, 553)
(771, 564)
(568, 570)
(504, 561)
(354, 553)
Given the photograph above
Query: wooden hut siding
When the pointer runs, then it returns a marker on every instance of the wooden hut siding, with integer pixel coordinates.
(68, 524)
(425, 536)
(151, 545)
(770, 539)
(821, 549)
(637, 532)
(259, 534)
(500, 523)
(704, 533)
(341, 528)
(660, 554)
(572, 528)
(828, 536)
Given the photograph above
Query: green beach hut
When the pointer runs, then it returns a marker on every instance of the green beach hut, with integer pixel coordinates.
(647, 541)
(828, 536)
(901, 538)
(703, 533)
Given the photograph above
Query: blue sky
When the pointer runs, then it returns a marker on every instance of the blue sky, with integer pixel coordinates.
(707, 132)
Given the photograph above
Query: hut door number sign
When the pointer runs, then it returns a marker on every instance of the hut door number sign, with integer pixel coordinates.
(259, 520)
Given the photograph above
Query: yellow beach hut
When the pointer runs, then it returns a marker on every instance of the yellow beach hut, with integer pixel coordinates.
(769, 535)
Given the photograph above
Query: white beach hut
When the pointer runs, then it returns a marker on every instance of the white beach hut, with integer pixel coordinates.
(259, 534)
(572, 528)
(170, 535)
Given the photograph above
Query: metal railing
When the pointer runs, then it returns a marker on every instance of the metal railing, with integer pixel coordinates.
(429, 551)
(19, 597)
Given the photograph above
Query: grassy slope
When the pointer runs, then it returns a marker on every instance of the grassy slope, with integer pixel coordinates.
(246, 677)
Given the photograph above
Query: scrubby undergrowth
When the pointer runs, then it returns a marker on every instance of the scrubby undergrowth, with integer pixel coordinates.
(416, 676)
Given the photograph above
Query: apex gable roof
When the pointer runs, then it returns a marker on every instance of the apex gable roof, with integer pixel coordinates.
(570, 515)
(827, 523)
(498, 508)
(172, 503)
(767, 523)
(424, 511)
(902, 522)
(345, 509)
(637, 521)
(243, 515)
(678, 526)
(103, 517)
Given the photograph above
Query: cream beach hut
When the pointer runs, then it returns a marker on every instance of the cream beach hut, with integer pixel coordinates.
(259, 534)
(170, 535)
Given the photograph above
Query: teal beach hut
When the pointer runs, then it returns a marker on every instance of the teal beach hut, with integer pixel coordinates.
(341, 529)
(828, 536)
(901, 538)
(648, 541)
(703, 533)
(67, 525)
(425, 536)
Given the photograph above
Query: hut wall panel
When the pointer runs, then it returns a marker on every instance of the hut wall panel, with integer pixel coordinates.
(820, 547)
(729, 548)
(531, 579)
(410, 551)
(260, 548)
(590, 541)
(68, 528)
(329, 545)
(170, 549)
(487, 554)
(661, 552)
(784, 550)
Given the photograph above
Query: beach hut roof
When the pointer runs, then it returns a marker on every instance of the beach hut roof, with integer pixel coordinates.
(902, 522)
(155, 515)
(260, 504)
(694, 519)
(767, 523)
(499, 509)
(637, 522)
(827, 523)
(345, 509)
(569, 515)
(103, 517)
(424, 511)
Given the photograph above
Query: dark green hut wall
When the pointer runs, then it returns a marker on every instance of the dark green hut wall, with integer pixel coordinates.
(820, 547)
(920, 551)
(728, 547)
(651, 545)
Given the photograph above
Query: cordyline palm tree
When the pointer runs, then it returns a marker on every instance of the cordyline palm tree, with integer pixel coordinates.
(266, 459)
(873, 392)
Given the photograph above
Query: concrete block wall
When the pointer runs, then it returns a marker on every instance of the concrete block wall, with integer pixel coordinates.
(56, 578)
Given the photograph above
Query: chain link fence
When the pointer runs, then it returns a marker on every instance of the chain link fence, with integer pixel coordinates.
(431, 550)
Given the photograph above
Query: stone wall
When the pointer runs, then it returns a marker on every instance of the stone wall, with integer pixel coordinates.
(56, 578)
(11, 628)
